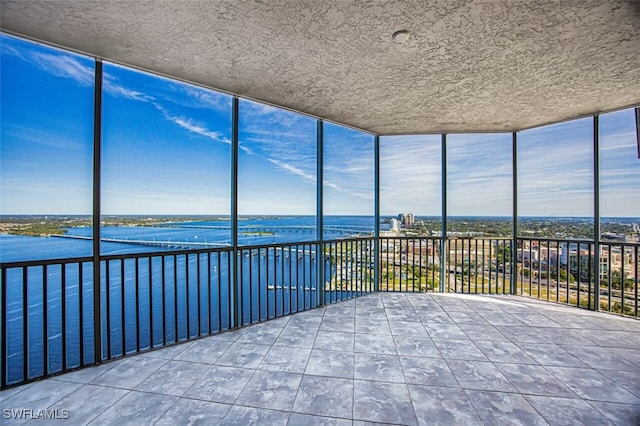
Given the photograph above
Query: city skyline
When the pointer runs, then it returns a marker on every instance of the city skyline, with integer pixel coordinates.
(166, 150)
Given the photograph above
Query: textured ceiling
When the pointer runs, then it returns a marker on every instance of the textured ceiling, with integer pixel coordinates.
(469, 65)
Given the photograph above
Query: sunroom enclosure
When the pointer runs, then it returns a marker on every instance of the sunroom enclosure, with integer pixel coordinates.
(163, 291)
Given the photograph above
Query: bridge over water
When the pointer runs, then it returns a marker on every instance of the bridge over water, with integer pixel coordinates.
(246, 229)
(180, 245)
(339, 229)
(184, 245)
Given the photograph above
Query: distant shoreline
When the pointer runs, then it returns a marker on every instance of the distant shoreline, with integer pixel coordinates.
(266, 225)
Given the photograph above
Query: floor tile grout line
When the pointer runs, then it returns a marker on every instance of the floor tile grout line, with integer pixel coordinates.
(167, 410)
(76, 390)
(514, 387)
(353, 373)
(564, 382)
(534, 407)
(197, 380)
(109, 407)
(590, 402)
(406, 384)
(413, 407)
(308, 359)
(130, 360)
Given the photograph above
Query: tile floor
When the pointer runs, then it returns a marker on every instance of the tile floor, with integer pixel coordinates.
(390, 358)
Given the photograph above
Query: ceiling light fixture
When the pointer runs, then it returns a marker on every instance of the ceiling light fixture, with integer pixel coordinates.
(400, 36)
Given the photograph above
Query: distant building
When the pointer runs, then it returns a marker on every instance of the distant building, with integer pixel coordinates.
(395, 224)
(406, 220)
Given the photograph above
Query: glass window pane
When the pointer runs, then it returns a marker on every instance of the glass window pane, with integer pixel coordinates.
(479, 185)
(555, 180)
(619, 177)
(46, 154)
(348, 182)
(410, 184)
(276, 175)
(166, 152)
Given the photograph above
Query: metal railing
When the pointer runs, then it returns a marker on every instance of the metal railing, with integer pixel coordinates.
(409, 263)
(471, 265)
(558, 270)
(150, 300)
(478, 265)
(565, 271)
(37, 331)
(350, 268)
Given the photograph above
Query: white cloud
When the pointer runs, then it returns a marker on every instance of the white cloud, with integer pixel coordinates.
(65, 66)
(198, 97)
(111, 86)
(54, 62)
(292, 169)
(192, 126)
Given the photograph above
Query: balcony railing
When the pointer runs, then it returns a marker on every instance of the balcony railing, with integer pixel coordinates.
(478, 265)
(565, 271)
(150, 300)
(409, 263)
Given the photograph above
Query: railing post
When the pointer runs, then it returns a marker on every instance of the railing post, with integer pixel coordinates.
(637, 110)
(320, 212)
(234, 213)
(514, 187)
(443, 241)
(97, 158)
(376, 232)
(4, 368)
(596, 213)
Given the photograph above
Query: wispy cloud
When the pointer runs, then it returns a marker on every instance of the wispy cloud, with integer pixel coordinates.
(198, 97)
(7, 48)
(31, 186)
(618, 141)
(192, 126)
(246, 149)
(198, 129)
(284, 139)
(165, 90)
(113, 88)
(293, 169)
(171, 92)
(65, 66)
(333, 185)
(49, 137)
(57, 63)
(267, 114)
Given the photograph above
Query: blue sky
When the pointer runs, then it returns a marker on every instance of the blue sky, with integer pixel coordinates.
(166, 150)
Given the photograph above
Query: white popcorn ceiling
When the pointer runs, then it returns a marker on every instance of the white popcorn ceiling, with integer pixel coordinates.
(469, 65)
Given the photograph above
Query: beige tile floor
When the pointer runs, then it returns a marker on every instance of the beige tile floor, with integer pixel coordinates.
(389, 358)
